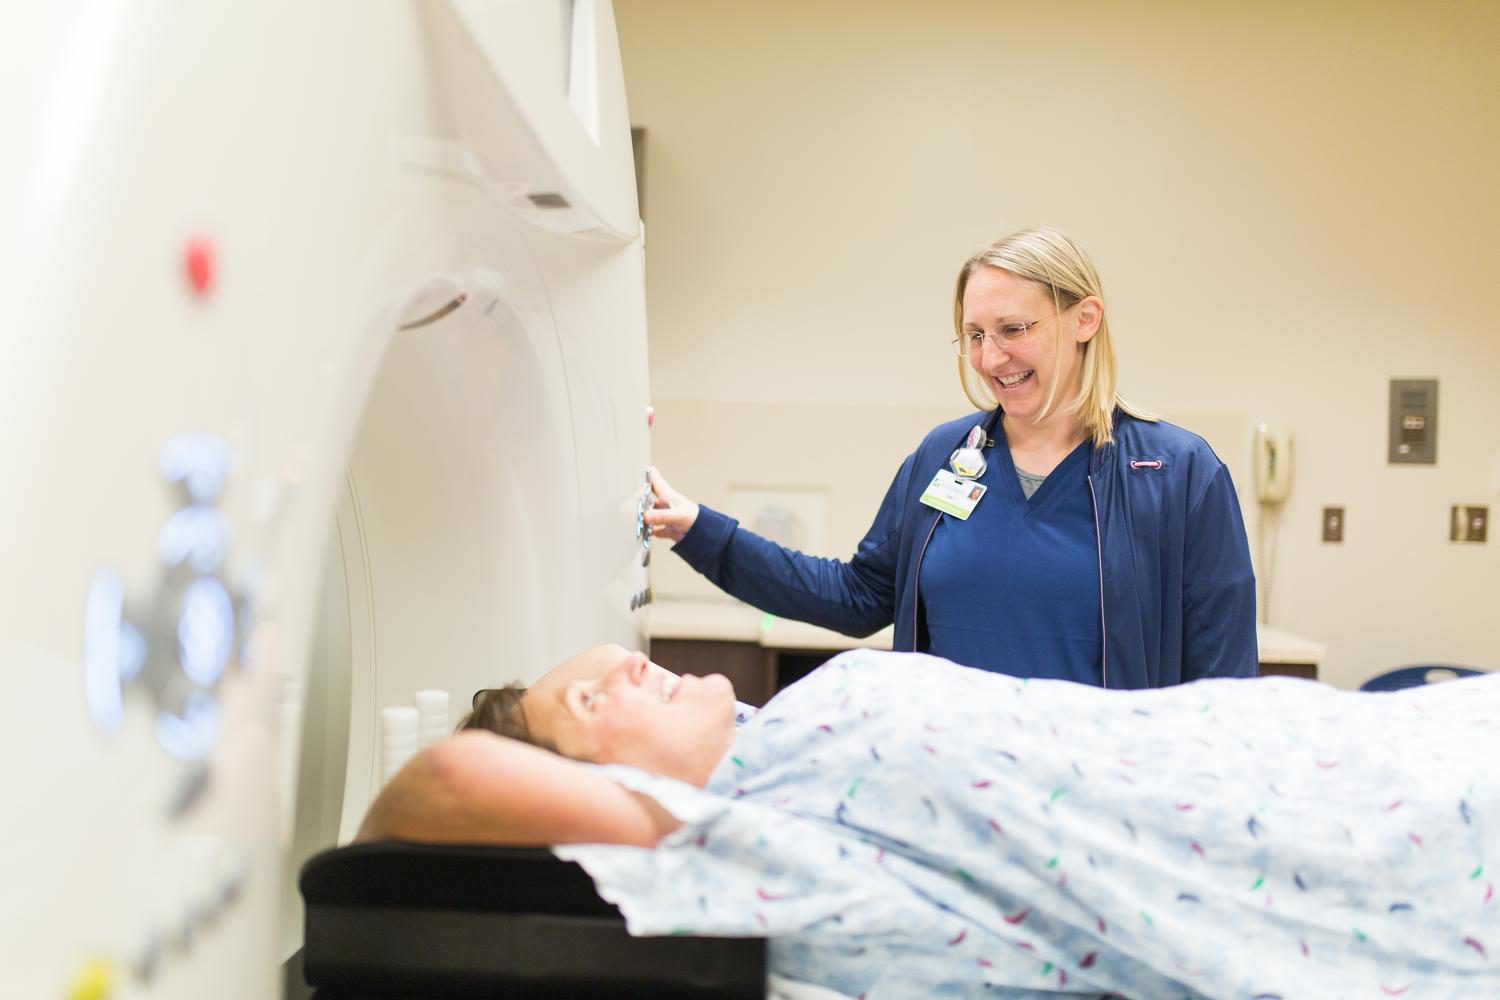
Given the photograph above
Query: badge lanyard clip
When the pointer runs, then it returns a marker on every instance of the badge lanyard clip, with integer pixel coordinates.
(967, 461)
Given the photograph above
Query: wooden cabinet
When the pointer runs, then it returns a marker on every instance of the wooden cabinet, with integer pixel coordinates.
(749, 667)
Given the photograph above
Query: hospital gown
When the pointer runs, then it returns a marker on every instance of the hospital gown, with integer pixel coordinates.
(899, 826)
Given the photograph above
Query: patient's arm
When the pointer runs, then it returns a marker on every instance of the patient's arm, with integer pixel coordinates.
(479, 788)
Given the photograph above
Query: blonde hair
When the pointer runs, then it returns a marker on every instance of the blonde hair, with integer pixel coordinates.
(1054, 261)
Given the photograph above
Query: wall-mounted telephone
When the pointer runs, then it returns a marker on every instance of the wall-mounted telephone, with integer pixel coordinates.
(1273, 463)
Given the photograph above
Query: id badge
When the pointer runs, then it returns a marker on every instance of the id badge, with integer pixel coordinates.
(952, 495)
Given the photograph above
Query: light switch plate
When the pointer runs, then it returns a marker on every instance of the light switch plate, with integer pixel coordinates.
(1333, 524)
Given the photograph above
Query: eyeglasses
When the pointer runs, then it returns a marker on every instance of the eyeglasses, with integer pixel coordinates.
(973, 340)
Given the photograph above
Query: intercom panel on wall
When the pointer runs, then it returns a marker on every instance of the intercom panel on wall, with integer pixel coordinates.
(1413, 421)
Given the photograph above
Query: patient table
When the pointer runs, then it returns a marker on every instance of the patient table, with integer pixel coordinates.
(417, 921)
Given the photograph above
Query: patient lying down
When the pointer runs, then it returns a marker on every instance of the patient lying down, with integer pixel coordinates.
(901, 826)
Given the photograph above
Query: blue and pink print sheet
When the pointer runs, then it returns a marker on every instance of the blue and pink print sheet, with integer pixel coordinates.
(900, 826)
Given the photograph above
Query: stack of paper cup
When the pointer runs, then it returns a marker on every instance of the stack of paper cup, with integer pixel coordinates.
(398, 738)
(432, 712)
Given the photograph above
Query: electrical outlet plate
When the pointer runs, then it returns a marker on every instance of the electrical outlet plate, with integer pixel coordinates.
(1468, 523)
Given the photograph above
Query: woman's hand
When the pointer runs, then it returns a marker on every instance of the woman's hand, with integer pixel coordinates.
(674, 514)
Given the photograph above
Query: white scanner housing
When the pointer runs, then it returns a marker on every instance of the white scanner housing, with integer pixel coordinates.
(322, 381)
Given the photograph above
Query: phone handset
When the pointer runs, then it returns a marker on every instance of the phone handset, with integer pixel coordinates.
(1273, 463)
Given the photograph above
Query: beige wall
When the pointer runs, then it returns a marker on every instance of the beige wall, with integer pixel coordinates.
(1290, 205)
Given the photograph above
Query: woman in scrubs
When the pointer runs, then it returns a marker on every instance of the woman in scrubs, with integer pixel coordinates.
(1058, 532)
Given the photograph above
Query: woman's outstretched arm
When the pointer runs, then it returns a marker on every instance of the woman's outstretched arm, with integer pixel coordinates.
(479, 788)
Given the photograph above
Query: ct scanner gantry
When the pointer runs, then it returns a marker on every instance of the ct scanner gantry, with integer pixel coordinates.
(323, 381)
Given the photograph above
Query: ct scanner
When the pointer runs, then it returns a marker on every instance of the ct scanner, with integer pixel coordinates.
(323, 380)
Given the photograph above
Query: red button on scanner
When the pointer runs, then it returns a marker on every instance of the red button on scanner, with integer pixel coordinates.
(198, 263)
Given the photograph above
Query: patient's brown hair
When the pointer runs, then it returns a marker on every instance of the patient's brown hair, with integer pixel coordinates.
(499, 711)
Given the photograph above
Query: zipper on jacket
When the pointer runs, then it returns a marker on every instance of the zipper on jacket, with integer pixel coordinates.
(1099, 547)
(916, 580)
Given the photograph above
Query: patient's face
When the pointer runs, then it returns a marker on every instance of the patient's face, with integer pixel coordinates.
(612, 706)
